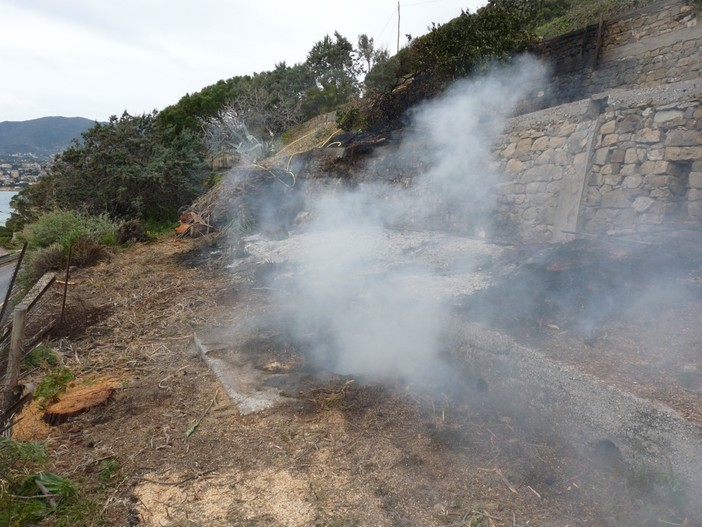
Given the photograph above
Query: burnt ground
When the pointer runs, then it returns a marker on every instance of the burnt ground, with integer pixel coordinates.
(624, 311)
(342, 453)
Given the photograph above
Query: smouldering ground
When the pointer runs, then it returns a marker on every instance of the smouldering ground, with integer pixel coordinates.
(346, 452)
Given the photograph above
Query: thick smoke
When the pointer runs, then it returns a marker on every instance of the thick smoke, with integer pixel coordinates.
(357, 309)
(460, 129)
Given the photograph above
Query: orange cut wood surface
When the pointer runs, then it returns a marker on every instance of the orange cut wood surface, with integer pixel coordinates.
(79, 399)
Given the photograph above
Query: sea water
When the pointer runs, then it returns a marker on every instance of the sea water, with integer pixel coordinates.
(5, 209)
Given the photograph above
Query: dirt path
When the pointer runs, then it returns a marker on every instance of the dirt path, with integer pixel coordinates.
(343, 453)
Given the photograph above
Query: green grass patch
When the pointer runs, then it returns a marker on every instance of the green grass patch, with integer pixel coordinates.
(42, 356)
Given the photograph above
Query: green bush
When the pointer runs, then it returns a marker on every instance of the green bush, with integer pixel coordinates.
(66, 227)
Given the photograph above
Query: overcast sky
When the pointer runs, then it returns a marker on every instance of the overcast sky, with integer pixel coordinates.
(96, 58)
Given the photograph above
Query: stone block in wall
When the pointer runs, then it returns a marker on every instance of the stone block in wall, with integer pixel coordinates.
(545, 158)
(608, 127)
(612, 168)
(616, 199)
(683, 153)
(642, 203)
(556, 142)
(690, 112)
(508, 152)
(566, 129)
(654, 214)
(540, 143)
(630, 169)
(656, 181)
(580, 159)
(633, 181)
(665, 116)
(561, 158)
(648, 135)
(530, 215)
(648, 167)
(515, 166)
(617, 156)
(613, 180)
(655, 154)
(662, 194)
(541, 173)
(610, 139)
(635, 155)
(600, 156)
(523, 147)
(630, 123)
(696, 180)
(694, 194)
(684, 138)
(595, 179)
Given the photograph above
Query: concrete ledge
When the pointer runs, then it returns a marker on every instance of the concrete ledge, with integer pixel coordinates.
(581, 409)
(651, 43)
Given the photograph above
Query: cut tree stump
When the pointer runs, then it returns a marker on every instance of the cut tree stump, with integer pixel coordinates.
(77, 400)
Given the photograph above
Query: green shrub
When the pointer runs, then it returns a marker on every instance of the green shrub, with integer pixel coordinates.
(66, 227)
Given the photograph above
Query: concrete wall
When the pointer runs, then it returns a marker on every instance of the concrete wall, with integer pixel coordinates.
(623, 162)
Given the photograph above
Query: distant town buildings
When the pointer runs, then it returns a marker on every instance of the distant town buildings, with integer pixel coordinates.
(19, 170)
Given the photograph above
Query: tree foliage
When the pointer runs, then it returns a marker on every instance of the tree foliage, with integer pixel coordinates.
(334, 70)
(466, 44)
(126, 168)
(192, 108)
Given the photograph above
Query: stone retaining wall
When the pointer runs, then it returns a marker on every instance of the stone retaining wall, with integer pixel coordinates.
(661, 43)
(625, 162)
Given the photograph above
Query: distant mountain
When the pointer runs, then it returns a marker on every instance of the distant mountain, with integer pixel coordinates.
(42, 137)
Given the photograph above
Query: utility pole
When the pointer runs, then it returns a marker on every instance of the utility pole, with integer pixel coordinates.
(398, 26)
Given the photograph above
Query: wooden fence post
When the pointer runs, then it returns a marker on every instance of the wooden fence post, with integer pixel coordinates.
(14, 358)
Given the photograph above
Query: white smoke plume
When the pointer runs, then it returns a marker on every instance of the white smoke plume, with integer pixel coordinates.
(357, 297)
